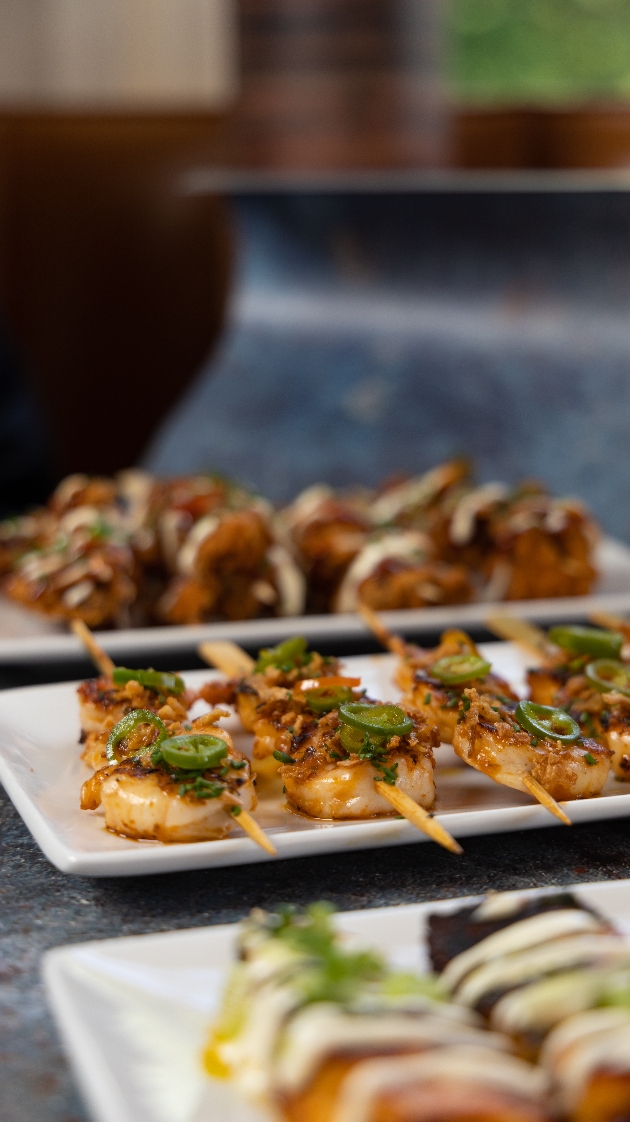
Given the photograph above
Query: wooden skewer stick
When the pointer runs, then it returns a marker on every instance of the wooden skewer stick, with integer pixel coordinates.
(228, 657)
(391, 642)
(418, 816)
(611, 623)
(527, 635)
(255, 832)
(99, 657)
(545, 799)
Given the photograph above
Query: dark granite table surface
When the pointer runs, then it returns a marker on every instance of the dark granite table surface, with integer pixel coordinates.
(41, 908)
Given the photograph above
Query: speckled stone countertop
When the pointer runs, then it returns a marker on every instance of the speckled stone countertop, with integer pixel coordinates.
(41, 908)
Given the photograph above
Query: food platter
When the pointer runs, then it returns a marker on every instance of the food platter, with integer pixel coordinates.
(612, 594)
(134, 1019)
(42, 773)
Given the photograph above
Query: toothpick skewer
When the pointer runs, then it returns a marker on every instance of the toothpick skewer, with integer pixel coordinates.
(255, 832)
(527, 635)
(391, 642)
(227, 657)
(545, 799)
(611, 623)
(418, 816)
(99, 657)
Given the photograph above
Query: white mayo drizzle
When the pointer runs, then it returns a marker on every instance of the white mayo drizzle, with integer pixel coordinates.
(584, 1044)
(406, 545)
(541, 1005)
(519, 936)
(477, 1065)
(412, 493)
(188, 553)
(290, 581)
(304, 507)
(559, 954)
(320, 1030)
(462, 525)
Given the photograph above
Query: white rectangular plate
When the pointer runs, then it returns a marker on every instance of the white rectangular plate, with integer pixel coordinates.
(135, 1013)
(42, 773)
(28, 638)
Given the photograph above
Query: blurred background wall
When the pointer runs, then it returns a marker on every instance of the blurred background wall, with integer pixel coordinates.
(205, 322)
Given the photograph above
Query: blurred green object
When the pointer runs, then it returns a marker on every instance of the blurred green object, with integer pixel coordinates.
(539, 51)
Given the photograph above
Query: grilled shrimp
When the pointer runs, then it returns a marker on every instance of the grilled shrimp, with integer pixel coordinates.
(325, 780)
(102, 705)
(487, 737)
(564, 682)
(143, 799)
(433, 697)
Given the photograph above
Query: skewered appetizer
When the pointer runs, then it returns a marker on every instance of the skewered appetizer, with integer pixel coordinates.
(346, 763)
(347, 1038)
(171, 781)
(529, 747)
(588, 678)
(106, 700)
(434, 681)
(532, 967)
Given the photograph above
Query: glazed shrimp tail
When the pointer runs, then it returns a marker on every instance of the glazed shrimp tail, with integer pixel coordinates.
(99, 657)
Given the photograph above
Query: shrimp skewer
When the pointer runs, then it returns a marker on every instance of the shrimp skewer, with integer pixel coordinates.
(145, 795)
(595, 691)
(335, 771)
(437, 698)
(488, 738)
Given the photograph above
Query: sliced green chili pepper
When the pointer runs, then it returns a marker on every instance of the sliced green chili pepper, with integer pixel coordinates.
(587, 640)
(547, 723)
(324, 698)
(127, 725)
(455, 669)
(379, 720)
(607, 674)
(151, 679)
(285, 654)
(192, 752)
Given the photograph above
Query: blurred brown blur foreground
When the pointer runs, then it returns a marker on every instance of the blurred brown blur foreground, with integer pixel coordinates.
(113, 282)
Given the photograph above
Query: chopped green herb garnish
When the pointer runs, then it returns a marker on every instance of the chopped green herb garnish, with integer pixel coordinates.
(590, 759)
(427, 698)
(283, 757)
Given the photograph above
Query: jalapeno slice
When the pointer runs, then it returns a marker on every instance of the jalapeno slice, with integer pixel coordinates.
(607, 674)
(127, 725)
(587, 640)
(546, 723)
(194, 752)
(380, 720)
(151, 679)
(284, 656)
(322, 699)
(455, 669)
